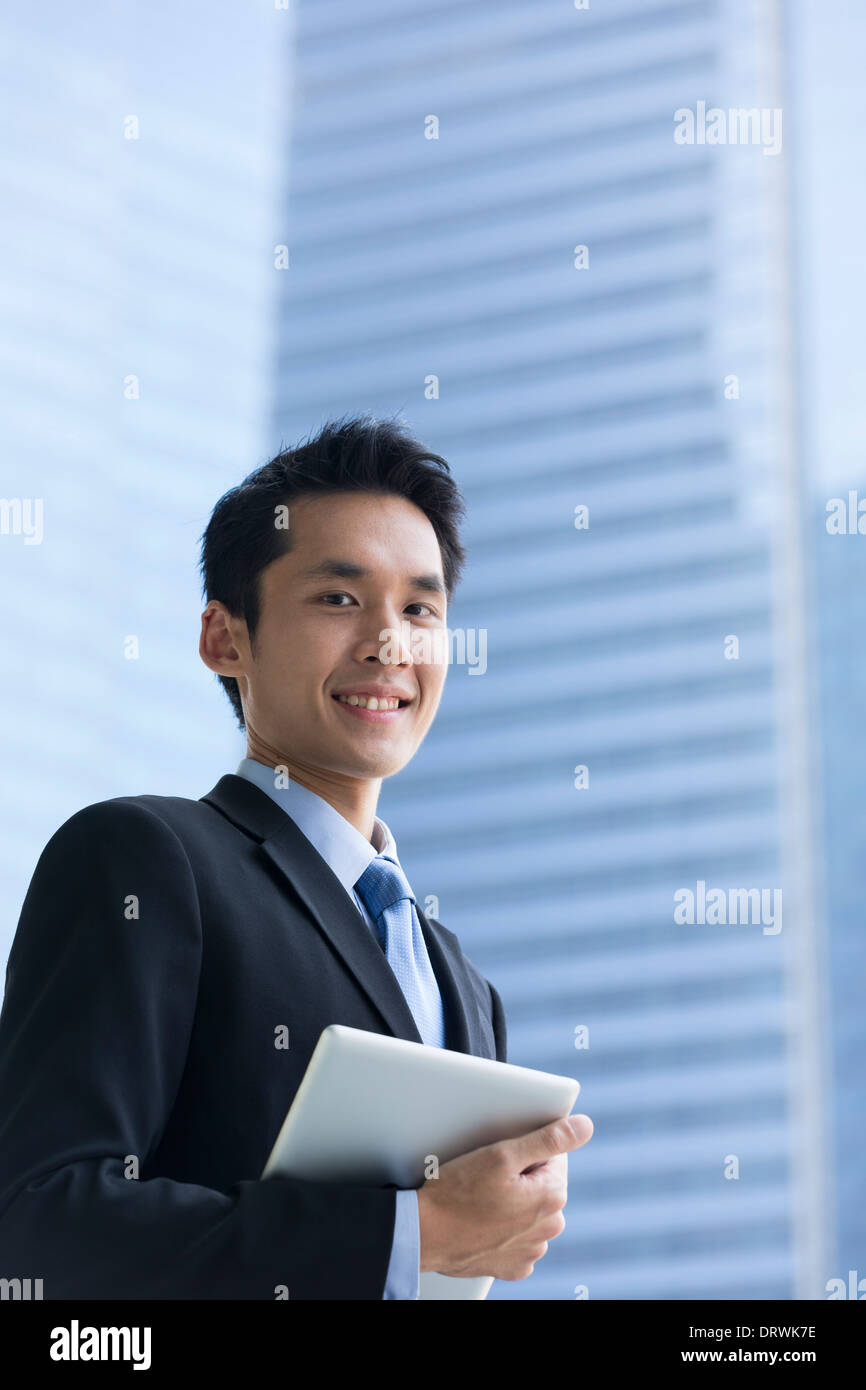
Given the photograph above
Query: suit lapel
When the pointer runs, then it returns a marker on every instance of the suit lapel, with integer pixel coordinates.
(336, 916)
(451, 974)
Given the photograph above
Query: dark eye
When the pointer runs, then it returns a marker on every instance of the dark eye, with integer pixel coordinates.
(420, 605)
(336, 595)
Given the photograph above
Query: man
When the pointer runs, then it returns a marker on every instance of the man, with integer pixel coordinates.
(177, 960)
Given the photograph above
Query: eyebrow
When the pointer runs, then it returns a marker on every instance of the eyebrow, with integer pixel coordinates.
(347, 569)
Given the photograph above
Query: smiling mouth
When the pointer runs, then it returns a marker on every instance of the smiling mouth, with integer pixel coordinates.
(370, 709)
(372, 701)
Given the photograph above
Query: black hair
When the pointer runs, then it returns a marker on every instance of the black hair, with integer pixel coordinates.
(353, 453)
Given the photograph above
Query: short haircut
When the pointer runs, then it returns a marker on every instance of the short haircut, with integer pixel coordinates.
(355, 453)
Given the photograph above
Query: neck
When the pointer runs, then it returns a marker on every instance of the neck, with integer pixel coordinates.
(355, 798)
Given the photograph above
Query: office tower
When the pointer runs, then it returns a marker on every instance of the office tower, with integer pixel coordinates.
(142, 165)
(494, 230)
(825, 58)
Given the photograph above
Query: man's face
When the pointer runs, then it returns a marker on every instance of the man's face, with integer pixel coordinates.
(320, 634)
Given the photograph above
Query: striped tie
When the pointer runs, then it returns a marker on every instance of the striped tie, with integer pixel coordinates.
(385, 892)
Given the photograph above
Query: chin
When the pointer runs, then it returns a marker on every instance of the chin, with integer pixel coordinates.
(381, 768)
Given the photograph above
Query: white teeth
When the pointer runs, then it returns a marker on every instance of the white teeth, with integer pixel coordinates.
(370, 702)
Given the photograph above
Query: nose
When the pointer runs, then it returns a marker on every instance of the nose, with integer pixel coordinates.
(388, 639)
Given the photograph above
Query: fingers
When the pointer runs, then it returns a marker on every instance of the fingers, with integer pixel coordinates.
(542, 1144)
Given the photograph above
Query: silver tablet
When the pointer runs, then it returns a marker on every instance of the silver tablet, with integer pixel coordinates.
(374, 1109)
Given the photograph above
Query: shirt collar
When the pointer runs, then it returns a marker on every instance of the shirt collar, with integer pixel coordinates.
(344, 849)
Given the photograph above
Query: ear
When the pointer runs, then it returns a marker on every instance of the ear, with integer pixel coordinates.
(221, 640)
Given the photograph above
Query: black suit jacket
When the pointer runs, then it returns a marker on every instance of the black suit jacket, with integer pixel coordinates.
(163, 945)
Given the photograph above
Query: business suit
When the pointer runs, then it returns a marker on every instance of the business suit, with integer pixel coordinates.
(349, 854)
(162, 944)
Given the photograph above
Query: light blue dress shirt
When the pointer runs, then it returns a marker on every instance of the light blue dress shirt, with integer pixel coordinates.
(347, 853)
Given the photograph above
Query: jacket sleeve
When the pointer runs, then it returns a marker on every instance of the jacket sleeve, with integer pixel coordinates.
(499, 1028)
(100, 999)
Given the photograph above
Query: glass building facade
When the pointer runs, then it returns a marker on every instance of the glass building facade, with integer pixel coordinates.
(495, 233)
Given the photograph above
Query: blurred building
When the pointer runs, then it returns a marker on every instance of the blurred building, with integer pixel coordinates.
(494, 231)
(142, 169)
(841, 585)
(826, 46)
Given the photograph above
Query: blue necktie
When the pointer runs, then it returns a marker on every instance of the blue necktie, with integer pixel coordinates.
(386, 894)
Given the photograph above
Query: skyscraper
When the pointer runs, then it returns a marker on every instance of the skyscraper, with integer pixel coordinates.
(142, 166)
(494, 229)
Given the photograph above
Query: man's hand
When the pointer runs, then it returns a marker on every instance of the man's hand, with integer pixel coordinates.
(493, 1210)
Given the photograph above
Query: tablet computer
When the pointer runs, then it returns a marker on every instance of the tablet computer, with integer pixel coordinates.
(373, 1109)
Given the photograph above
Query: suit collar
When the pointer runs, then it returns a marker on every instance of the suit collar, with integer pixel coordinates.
(309, 875)
(346, 850)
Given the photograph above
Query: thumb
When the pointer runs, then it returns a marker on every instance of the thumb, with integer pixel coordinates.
(559, 1137)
